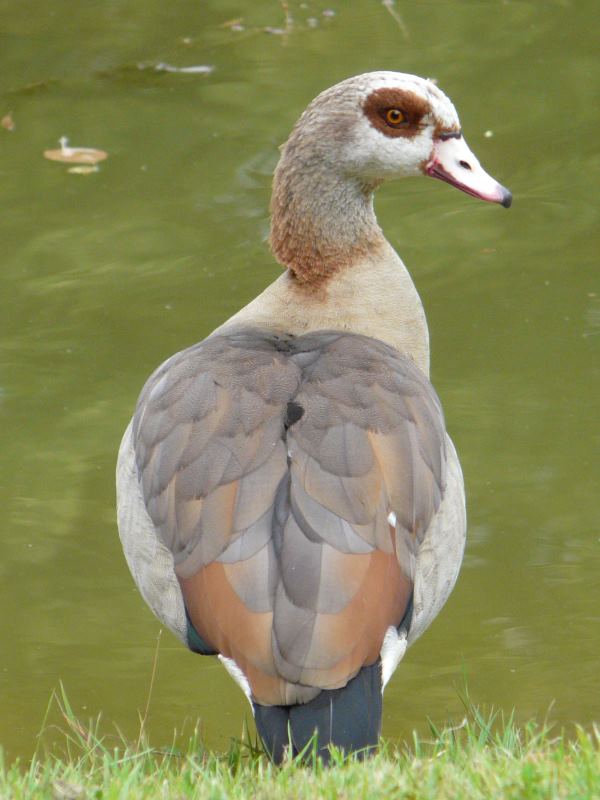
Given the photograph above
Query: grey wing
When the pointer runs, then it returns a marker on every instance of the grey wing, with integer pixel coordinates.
(200, 426)
(367, 476)
(270, 469)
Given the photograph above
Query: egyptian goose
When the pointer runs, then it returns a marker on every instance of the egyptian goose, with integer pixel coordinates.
(288, 498)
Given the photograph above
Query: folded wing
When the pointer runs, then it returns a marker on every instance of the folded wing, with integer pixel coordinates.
(292, 479)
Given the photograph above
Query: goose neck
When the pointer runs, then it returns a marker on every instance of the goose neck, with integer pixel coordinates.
(322, 221)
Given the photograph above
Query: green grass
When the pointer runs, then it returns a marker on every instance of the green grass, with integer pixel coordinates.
(485, 757)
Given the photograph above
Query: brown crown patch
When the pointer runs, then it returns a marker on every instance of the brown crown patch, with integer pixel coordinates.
(413, 107)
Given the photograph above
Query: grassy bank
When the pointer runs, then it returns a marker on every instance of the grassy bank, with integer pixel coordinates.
(485, 757)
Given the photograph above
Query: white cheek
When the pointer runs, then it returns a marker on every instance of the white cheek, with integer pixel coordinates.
(372, 155)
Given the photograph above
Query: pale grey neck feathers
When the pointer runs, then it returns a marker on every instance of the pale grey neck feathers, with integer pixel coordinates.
(321, 219)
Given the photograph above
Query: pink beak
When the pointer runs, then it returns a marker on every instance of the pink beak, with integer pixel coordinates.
(453, 162)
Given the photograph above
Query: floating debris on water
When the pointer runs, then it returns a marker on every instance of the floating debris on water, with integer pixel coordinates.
(199, 69)
(234, 24)
(390, 6)
(142, 71)
(84, 169)
(488, 134)
(8, 122)
(75, 155)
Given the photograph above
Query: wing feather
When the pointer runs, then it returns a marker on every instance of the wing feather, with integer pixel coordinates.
(285, 518)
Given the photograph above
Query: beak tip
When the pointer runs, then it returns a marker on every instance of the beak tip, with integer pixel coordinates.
(506, 201)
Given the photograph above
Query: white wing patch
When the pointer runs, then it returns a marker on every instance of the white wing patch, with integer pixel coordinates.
(392, 651)
(238, 676)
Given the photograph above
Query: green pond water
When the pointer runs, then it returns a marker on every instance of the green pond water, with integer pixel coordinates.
(104, 275)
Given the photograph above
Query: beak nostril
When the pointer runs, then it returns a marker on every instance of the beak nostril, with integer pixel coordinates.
(465, 164)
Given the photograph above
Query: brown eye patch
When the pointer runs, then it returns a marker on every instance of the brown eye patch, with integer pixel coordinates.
(395, 112)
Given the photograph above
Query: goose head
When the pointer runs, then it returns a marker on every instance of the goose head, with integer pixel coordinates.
(352, 137)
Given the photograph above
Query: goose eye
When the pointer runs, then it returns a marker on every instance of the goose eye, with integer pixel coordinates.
(393, 116)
